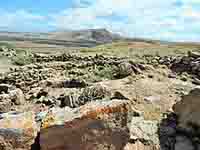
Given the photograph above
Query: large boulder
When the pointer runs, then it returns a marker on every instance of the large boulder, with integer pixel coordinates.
(99, 125)
(95, 92)
(124, 69)
(90, 93)
(188, 110)
(17, 131)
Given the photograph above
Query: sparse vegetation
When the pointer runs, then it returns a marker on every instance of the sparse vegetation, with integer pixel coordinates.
(138, 49)
(6, 44)
(93, 74)
(22, 58)
(106, 72)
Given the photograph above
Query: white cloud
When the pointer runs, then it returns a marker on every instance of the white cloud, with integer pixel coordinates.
(138, 17)
(165, 19)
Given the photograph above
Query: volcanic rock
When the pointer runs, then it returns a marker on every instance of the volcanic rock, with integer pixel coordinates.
(99, 125)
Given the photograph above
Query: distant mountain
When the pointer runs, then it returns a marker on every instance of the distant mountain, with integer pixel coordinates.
(82, 38)
(78, 38)
(97, 35)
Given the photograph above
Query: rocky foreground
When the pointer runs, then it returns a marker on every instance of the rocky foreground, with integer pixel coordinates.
(66, 102)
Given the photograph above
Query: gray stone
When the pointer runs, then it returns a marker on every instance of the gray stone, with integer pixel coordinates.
(144, 130)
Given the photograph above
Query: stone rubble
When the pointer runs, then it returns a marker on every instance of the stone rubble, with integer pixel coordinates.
(70, 112)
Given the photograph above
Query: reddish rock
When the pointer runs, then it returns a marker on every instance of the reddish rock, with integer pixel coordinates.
(94, 126)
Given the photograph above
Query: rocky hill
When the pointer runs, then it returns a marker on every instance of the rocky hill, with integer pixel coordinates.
(98, 35)
(82, 38)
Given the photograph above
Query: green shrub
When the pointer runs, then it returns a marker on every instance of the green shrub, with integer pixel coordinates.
(105, 72)
(23, 59)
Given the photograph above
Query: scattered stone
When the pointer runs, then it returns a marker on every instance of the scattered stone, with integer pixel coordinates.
(94, 118)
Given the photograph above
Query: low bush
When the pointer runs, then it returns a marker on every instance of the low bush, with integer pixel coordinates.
(23, 59)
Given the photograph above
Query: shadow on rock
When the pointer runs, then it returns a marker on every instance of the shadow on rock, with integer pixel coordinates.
(36, 145)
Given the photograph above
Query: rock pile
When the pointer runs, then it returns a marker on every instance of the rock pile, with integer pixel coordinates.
(189, 63)
(66, 110)
(65, 66)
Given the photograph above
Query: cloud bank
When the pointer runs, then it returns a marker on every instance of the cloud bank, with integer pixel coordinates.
(174, 20)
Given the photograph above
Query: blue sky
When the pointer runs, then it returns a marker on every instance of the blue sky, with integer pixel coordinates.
(174, 20)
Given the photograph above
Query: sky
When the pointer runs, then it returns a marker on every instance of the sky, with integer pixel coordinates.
(172, 20)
